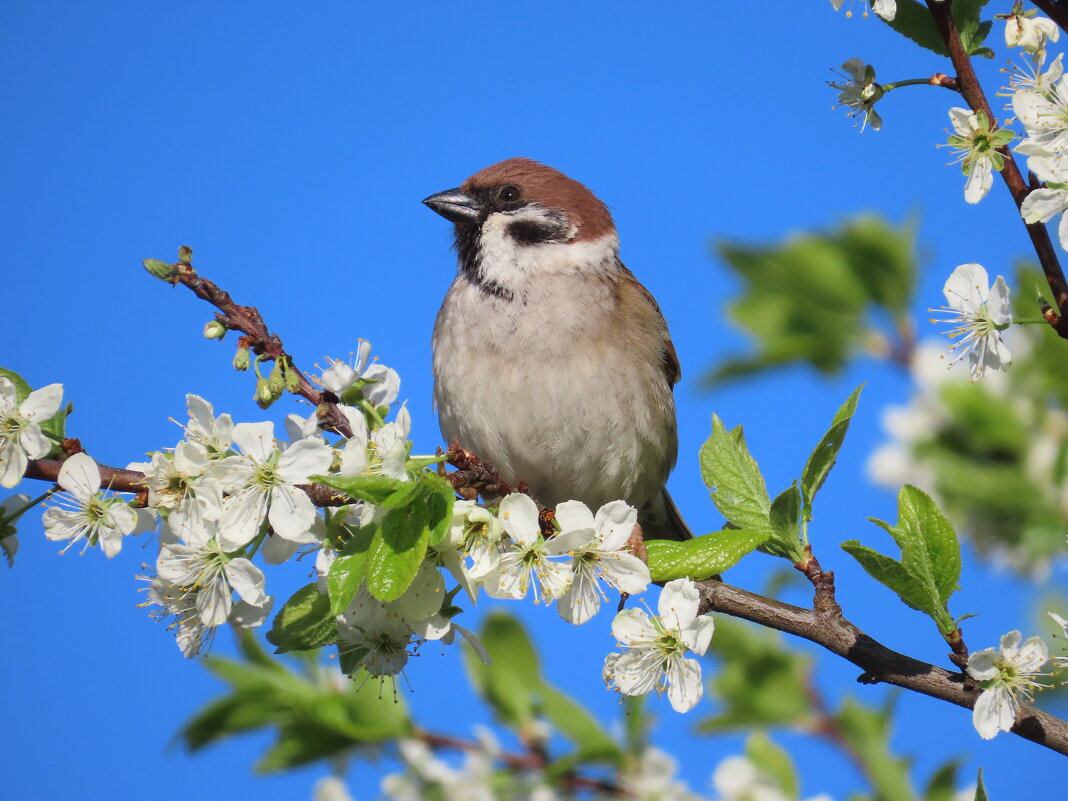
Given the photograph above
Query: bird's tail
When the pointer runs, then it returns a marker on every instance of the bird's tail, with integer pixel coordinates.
(661, 520)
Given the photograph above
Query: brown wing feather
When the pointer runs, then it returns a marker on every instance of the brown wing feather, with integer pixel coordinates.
(672, 367)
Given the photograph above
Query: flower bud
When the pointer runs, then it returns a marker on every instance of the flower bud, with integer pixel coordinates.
(292, 379)
(241, 359)
(185, 255)
(277, 380)
(263, 397)
(214, 330)
(161, 270)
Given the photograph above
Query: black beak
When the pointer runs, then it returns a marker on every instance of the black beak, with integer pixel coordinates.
(455, 206)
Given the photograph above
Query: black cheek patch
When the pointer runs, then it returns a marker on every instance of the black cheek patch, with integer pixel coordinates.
(533, 232)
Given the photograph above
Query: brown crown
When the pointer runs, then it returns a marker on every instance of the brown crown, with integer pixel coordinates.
(550, 188)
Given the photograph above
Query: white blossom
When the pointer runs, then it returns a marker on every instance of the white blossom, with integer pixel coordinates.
(737, 778)
(1029, 32)
(1044, 115)
(476, 533)
(379, 384)
(21, 438)
(12, 508)
(373, 636)
(860, 93)
(887, 9)
(656, 648)
(214, 433)
(1046, 202)
(598, 548)
(1004, 674)
(1060, 621)
(980, 314)
(651, 777)
(202, 571)
(88, 514)
(976, 143)
(262, 482)
(529, 554)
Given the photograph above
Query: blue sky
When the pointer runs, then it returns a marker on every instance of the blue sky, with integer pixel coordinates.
(290, 145)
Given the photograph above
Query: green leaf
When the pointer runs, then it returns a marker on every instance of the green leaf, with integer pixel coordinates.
(971, 30)
(772, 760)
(510, 684)
(732, 475)
(980, 789)
(574, 722)
(440, 497)
(301, 743)
(929, 569)
(701, 557)
(867, 730)
(759, 683)
(785, 510)
(822, 459)
(380, 490)
(349, 570)
(225, 716)
(915, 21)
(397, 550)
(304, 623)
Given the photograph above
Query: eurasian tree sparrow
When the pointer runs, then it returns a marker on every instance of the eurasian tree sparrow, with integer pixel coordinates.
(550, 360)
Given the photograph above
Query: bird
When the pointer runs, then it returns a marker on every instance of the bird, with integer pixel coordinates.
(550, 359)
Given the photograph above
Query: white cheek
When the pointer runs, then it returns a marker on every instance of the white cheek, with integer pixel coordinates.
(509, 264)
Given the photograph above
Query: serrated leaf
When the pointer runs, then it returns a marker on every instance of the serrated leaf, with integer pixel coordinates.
(397, 550)
(349, 570)
(930, 564)
(889, 572)
(785, 510)
(304, 623)
(772, 760)
(701, 557)
(823, 457)
(440, 500)
(731, 474)
(914, 21)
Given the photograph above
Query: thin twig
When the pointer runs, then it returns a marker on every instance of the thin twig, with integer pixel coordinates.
(973, 94)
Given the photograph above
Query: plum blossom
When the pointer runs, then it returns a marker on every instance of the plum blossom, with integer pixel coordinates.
(216, 434)
(598, 548)
(656, 648)
(373, 636)
(887, 9)
(11, 510)
(529, 554)
(976, 144)
(1004, 674)
(262, 481)
(980, 314)
(201, 570)
(860, 93)
(88, 514)
(21, 438)
(1046, 202)
(379, 384)
(1024, 30)
(1044, 115)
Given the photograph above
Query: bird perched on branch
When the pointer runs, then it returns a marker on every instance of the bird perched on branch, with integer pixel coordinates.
(550, 360)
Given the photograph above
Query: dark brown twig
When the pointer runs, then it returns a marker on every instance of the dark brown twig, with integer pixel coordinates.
(973, 94)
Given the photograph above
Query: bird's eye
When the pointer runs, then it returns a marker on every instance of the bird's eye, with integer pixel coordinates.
(509, 194)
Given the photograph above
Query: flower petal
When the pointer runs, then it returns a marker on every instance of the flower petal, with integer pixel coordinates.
(519, 517)
(80, 476)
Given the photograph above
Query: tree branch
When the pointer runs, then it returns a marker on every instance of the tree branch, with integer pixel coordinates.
(972, 91)
(879, 663)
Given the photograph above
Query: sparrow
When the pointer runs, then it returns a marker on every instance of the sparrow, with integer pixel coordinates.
(550, 359)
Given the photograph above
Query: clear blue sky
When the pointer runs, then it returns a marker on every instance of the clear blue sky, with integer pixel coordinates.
(289, 145)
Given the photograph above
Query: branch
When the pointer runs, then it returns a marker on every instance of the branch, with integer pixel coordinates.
(972, 92)
(879, 663)
(1055, 11)
(257, 338)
